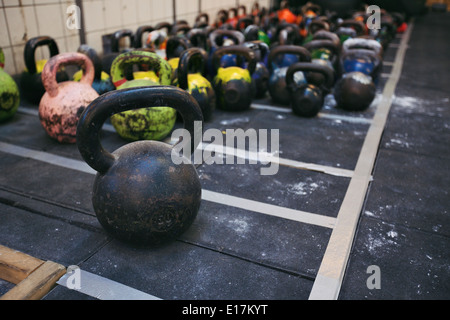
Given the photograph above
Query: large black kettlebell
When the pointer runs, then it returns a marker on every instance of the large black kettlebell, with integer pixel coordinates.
(145, 192)
(233, 85)
(30, 80)
(307, 98)
(277, 81)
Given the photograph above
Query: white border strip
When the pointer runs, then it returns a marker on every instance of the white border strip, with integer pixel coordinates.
(266, 158)
(102, 288)
(269, 209)
(331, 272)
(255, 206)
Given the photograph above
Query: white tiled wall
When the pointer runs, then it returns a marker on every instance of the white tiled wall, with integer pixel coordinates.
(21, 20)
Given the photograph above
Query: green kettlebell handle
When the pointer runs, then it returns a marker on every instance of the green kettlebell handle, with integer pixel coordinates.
(322, 44)
(70, 58)
(241, 50)
(303, 53)
(92, 119)
(30, 49)
(155, 63)
(186, 59)
(312, 67)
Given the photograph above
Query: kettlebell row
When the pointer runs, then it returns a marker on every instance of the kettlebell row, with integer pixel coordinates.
(141, 195)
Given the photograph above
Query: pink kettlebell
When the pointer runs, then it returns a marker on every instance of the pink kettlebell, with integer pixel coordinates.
(63, 103)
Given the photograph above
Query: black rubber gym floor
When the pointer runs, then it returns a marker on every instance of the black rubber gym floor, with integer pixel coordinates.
(266, 237)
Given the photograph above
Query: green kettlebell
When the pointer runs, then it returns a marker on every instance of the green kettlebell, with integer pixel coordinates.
(191, 77)
(146, 123)
(9, 93)
(233, 85)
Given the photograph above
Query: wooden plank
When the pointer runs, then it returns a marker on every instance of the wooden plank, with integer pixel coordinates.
(37, 284)
(15, 266)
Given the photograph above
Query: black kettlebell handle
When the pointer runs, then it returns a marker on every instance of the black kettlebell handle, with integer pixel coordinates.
(237, 36)
(327, 35)
(241, 50)
(202, 20)
(93, 117)
(30, 49)
(119, 34)
(358, 26)
(92, 54)
(137, 38)
(311, 67)
(303, 53)
(186, 59)
(322, 44)
(317, 25)
(259, 45)
(173, 42)
(181, 27)
(163, 25)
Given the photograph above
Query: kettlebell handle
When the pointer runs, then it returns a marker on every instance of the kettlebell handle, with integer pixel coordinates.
(237, 36)
(186, 59)
(322, 44)
(241, 50)
(155, 63)
(312, 67)
(137, 38)
(116, 36)
(173, 42)
(70, 58)
(30, 49)
(303, 53)
(93, 117)
(361, 43)
(92, 54)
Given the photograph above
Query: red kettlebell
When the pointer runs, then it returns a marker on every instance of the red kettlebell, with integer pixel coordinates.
(64, 102)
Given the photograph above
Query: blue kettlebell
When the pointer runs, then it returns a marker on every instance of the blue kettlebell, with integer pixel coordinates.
(277, 81)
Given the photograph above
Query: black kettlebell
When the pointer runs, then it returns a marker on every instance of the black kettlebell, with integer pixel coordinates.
(307, 98)
(278, 67)
(260, 78)
(30, 80)
(115, 38)
(233, 85)
(145, 193)
(192, 77)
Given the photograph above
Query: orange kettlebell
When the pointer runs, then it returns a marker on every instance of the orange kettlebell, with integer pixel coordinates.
(63, 103)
